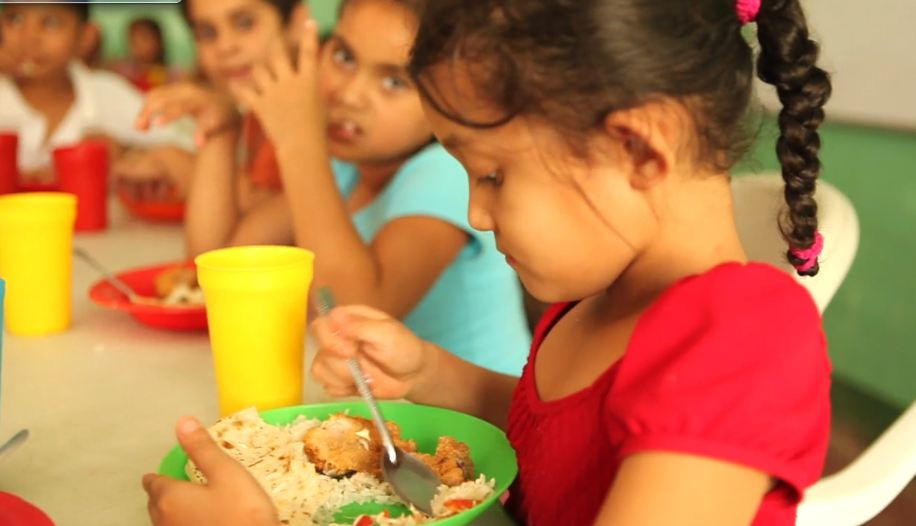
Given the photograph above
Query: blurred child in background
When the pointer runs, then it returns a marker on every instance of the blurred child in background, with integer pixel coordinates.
(51, 99)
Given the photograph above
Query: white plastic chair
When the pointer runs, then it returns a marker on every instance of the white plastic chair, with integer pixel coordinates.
(862, 489)
(758, 203)
(866, 486)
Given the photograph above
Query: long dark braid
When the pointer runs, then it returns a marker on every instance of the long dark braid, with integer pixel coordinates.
(788, 61)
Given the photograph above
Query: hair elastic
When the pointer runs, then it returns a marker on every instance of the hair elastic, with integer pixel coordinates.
(807, 257)
(747, 10)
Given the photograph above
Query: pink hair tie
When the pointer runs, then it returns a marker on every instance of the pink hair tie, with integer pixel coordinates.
(747, 10)
(807, 257)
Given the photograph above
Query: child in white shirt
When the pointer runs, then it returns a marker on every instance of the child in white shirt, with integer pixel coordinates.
(51, 100)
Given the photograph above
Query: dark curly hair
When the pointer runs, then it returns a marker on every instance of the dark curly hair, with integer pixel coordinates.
(81, 9)
(575, 61)
(284, 7)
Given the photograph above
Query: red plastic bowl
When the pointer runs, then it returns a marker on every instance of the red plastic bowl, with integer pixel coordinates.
(167, 211)
(142, 281)
(16, 512)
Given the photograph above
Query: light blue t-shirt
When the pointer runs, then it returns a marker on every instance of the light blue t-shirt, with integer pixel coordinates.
(475, 308)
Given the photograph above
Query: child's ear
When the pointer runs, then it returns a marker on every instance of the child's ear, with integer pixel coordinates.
(297, 19)
(643, 136)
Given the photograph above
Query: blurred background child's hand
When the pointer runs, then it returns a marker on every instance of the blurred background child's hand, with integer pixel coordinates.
(230, 497)
(159, 174)
(283, 95)
(212, 110)
(395, 359)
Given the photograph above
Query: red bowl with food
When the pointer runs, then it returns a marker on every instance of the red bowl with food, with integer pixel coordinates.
(167, 210)
(171, 299)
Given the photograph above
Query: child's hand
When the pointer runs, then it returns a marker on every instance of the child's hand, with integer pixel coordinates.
(143, 176)
(212, 110)
(393, 358)
(231, 496)
(157, 174)
(284, 96)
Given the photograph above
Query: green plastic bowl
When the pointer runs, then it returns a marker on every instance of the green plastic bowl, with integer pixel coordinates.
(490, 449)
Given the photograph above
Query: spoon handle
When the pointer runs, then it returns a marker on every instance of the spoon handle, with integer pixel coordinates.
(14, 442)
(117, 283)
(325, 304)
(362, 386)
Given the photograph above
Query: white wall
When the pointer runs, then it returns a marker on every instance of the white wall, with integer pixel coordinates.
(869, 46)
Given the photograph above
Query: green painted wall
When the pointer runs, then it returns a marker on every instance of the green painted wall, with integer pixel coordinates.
(871, 322)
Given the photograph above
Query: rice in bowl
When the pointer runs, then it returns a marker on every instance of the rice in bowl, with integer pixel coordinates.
(276, 457)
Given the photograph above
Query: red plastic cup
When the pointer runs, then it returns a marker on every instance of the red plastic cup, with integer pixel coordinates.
(9, 170)
(82, 170)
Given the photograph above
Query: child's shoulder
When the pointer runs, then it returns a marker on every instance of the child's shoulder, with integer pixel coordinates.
(103, 83)
(430, 175)
(753, 307)
(7, 92)
(432, 158)
(747, 287)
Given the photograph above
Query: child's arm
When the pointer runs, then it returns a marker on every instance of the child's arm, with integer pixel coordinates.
(214, 209)
(231, 496)
(400, 365)
(658, 487)
(406, 256)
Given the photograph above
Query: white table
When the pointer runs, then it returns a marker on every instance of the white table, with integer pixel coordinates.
(102, 398)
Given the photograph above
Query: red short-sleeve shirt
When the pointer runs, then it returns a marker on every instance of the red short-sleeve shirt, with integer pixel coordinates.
(730, 364)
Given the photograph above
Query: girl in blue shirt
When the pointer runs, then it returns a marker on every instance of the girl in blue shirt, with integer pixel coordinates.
(387, 219)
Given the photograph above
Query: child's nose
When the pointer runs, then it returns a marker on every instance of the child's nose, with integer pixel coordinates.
(479, 216)
(226, 45)
(352, 91)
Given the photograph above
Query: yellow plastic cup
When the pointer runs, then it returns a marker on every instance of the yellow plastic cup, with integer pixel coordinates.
(36, 260)
(256, 308)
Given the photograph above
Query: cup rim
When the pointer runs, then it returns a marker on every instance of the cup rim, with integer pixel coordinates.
(210, 260)
(37, 198)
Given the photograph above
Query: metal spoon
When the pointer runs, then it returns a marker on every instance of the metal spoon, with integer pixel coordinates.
(116, 282)
(14, 442)
(411, 479)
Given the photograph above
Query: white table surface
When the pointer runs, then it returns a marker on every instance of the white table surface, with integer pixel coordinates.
(101, 399)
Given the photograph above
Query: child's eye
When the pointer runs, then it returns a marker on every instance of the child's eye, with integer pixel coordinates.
(204, 33)
(342, 56)
(244, 21)
(493, 178)
(393, 83)
(52, 22)
(14, 19)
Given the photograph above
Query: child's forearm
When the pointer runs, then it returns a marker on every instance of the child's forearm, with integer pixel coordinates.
(321, 222)
(460, 385)
(212, 205)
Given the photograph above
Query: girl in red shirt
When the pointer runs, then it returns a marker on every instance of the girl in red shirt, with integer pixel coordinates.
(673, 382)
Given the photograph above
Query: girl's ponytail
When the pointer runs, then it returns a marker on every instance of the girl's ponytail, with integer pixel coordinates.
(788, 61)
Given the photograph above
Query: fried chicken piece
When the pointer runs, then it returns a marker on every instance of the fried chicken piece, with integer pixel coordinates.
(343, 445)
(167, 280)
(452, 462)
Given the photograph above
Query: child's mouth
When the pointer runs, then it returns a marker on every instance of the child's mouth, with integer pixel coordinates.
(237, 74)
(344, 131)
